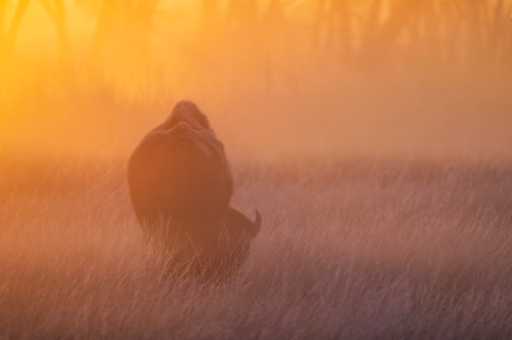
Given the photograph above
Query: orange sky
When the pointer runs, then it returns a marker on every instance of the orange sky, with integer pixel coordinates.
(274, 79)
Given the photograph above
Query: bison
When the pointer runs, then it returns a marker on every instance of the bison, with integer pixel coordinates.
(181, 185)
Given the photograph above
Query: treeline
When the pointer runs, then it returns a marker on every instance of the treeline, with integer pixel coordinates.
(377, 32)
(238, 34)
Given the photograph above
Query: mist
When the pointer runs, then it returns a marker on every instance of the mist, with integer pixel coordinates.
(379, 79)
(372, 137)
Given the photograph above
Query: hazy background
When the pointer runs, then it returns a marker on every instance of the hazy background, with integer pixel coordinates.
(414, 79)
(334, 114)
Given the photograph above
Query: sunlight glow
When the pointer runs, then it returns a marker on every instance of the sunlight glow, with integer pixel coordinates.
(253, 60)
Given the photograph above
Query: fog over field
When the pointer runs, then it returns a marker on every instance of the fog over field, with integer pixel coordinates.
(373, 136)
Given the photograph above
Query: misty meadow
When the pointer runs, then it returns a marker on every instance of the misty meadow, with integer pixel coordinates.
(372, 138)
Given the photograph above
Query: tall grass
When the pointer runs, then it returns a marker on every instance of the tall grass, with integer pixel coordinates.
(348, 250)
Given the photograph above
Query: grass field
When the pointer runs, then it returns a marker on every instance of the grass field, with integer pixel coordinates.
(352, 250)
(373, 136)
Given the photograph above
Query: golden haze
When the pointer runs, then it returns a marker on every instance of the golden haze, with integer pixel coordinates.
(414, 79)
(348, 249)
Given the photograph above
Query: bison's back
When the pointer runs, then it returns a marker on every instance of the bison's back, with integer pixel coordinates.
(178, 173)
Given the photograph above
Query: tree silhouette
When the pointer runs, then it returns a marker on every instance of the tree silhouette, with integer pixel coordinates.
(122, 30)
(57, 12)
(9, 31)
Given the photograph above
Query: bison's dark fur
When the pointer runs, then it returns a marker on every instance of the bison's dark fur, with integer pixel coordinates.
(181, 185)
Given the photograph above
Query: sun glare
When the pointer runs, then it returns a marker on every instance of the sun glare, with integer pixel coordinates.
(88, 64)
(255, 169)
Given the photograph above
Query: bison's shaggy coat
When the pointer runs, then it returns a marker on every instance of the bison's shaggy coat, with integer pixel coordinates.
(181, 185)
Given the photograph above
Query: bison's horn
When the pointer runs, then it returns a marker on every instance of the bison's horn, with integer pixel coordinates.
(257, 221)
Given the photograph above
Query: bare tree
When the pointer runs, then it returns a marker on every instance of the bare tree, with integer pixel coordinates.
(9, 32)
(123, 29)
(383, 39)
(12, 31)
(3, 5)
(57, 13)
(104, 30)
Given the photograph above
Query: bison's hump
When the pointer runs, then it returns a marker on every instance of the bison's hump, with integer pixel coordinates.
(187, 111)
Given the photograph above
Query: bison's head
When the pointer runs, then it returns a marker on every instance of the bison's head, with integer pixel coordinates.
(187, 111)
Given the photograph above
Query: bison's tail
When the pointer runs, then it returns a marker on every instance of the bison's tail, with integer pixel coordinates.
(257, 223)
